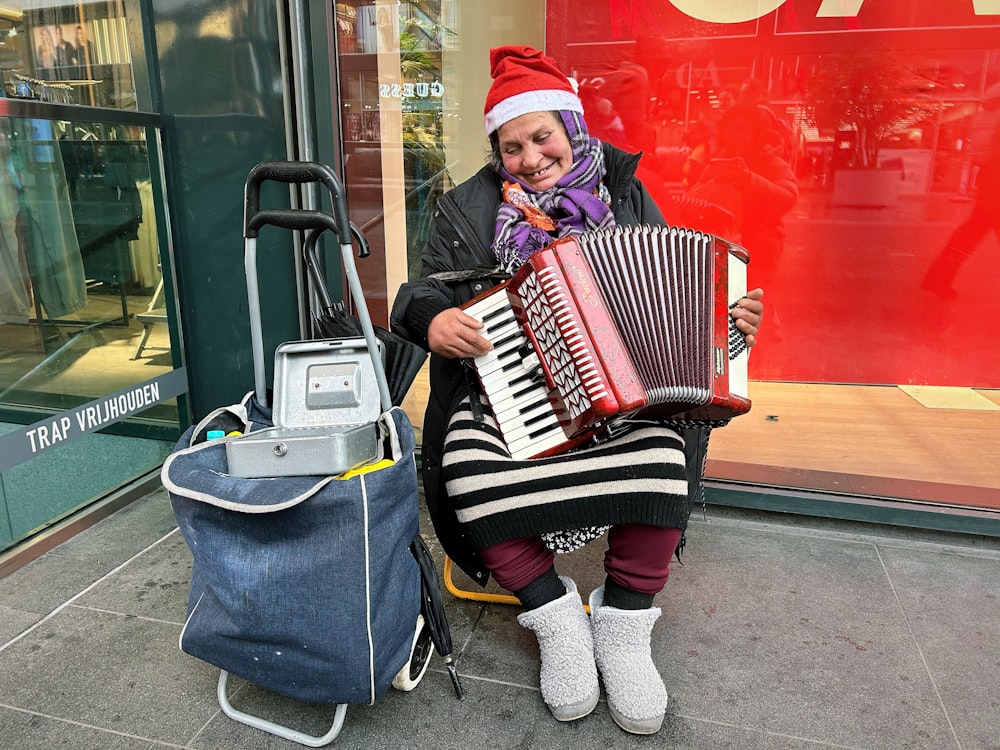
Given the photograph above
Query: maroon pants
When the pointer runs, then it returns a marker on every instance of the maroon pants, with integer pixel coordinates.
(638, 558)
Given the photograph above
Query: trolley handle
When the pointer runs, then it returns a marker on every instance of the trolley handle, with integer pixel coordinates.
(316, 222)
(296, 172)
(305, 220)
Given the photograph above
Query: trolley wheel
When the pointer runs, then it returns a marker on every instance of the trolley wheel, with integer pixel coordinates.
(420, 657)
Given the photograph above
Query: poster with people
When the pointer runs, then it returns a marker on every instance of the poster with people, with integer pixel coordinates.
(63, 52)
(45, 52)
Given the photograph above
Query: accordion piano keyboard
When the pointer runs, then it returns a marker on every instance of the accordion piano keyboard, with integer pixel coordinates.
(512, 379)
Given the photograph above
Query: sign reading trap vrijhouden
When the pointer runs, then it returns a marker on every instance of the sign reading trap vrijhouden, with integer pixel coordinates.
(56, 431)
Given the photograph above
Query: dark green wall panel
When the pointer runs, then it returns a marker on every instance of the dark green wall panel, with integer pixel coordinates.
(218, 66)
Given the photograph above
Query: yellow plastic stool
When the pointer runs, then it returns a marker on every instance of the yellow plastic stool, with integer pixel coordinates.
(478, 596)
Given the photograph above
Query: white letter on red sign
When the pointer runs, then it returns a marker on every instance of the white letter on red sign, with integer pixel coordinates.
(727, 11)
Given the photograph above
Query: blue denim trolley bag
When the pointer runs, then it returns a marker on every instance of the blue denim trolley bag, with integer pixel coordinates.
(315, 587)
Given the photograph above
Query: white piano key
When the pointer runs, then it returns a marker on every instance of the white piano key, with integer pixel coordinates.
(496, 301)
(514, 435)
(522, 372)
(508, 407)
(528, 448)
(497, 359)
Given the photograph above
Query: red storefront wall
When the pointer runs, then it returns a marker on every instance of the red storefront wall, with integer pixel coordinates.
(850, 296)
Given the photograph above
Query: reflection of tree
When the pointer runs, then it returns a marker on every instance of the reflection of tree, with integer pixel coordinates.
(425, 165)
(419, 43)
(414, 61)
(427, 179)
(870, 92)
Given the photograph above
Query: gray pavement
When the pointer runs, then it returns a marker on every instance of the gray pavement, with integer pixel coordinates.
(777, 632)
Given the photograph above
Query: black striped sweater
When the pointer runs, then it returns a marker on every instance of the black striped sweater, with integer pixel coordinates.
(636, 477)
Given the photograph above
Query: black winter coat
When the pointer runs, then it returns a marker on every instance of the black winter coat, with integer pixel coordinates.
(464, 224)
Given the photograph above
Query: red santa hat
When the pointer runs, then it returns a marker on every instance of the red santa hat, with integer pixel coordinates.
(526, 80)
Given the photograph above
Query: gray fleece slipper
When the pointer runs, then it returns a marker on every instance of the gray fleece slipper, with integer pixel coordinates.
(568, 674)
(637, 697)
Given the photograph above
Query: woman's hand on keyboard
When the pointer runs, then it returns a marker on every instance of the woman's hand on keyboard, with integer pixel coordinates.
(452, 333)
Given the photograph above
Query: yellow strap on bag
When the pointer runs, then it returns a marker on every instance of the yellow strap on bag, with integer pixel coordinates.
(367, 468)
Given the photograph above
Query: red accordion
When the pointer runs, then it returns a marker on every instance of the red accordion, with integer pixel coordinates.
(625, 322)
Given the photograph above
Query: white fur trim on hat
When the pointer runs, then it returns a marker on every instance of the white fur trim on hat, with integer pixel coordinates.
(539, 100)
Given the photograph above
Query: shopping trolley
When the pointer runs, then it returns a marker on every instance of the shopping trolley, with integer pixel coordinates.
(310, 577)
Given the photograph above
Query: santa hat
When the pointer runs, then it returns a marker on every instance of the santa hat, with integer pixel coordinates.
(526, 80)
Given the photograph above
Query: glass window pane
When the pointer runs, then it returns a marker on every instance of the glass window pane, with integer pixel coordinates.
(71, 53)
(82, 299)
(875, 240)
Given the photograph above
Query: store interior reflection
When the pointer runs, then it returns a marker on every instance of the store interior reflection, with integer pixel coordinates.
(81, 301)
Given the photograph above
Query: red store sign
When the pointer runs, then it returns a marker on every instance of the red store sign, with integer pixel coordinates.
(692, 19)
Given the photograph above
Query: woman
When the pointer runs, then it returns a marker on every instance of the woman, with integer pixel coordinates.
(548, 178)
(47, 57)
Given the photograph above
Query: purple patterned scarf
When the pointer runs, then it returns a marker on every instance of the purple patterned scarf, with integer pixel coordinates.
(578, 203)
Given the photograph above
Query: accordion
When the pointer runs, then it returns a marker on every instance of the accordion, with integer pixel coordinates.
(614, 324)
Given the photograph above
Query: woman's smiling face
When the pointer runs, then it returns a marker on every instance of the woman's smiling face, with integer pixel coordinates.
(535, 149)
